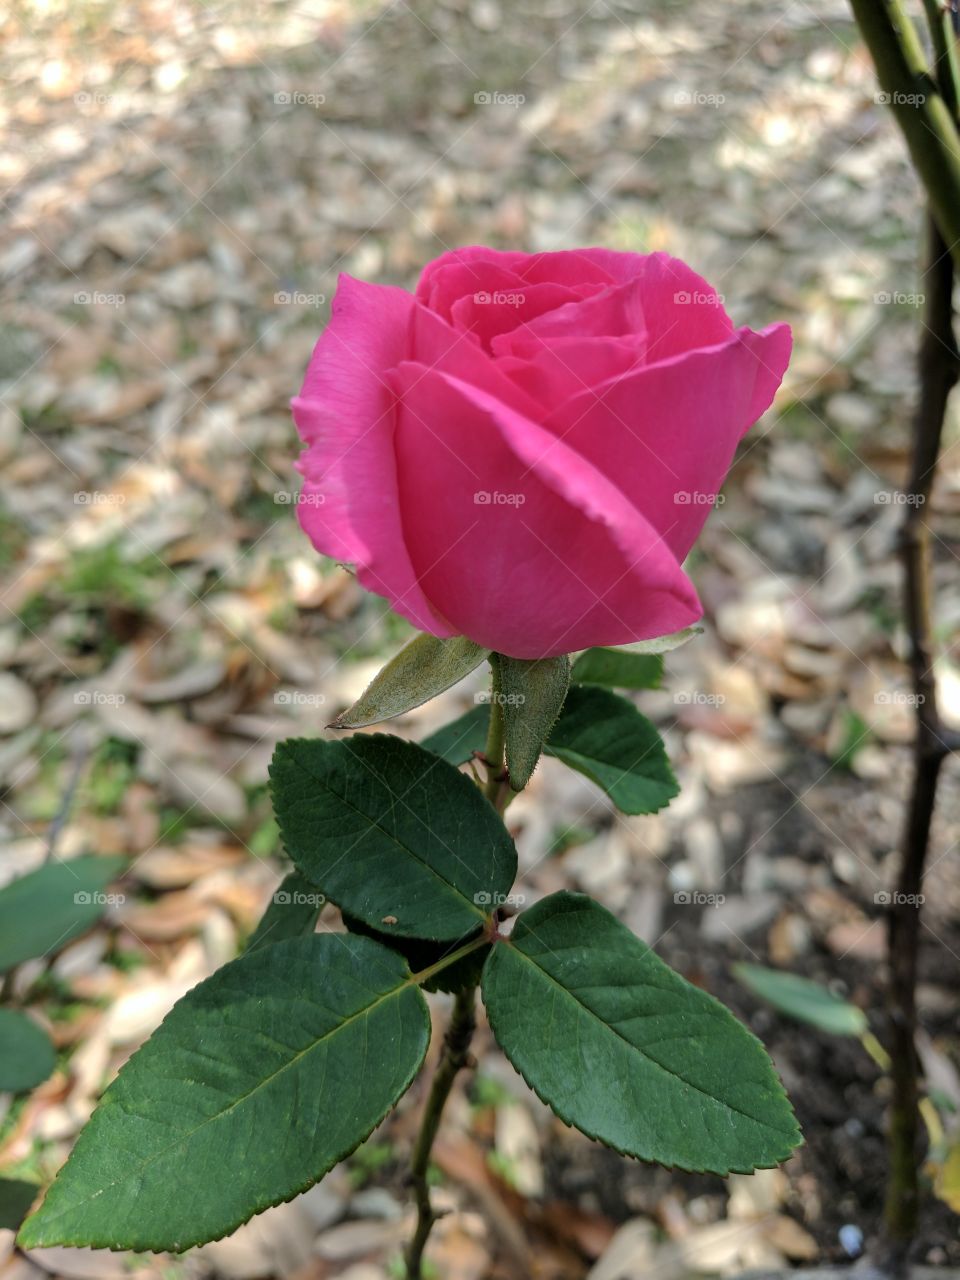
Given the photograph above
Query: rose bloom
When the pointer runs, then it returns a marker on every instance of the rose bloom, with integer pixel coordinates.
(525, 449)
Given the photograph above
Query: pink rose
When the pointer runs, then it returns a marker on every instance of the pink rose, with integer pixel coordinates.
(525, 450)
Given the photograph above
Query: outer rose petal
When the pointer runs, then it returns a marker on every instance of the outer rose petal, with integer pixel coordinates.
(667, 433)
(572, 565)
(346, 413)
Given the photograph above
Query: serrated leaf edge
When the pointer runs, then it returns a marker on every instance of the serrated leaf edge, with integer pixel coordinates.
(779, 1090)
(436, 759)
(143, 1245)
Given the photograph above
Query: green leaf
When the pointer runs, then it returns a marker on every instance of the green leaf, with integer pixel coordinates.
(457, 741)
(16, 1197)
(43, 911)
(292, 912)
(421, 955)
(421, 670)
(27, 1057)
(618, 668)
(804, 1000)
(598, 733)
(624, 1049)
(256, 1083)
(392, 834)
(532, 693)
(605, 737)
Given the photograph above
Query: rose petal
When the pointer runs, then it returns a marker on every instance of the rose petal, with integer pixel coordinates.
(560, 560)
(446, 285)
(478, 267)
(346, 413)
(666, 434)
(550, 370)
(673, 306)
(487, 314)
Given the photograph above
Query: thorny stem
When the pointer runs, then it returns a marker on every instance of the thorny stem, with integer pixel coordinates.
(456, 1047)
(938, 368)
(456, 1042)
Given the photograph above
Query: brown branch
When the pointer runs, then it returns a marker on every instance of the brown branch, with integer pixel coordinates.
(938, 367)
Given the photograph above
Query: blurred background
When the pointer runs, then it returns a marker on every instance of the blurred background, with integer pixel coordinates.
(181, 185)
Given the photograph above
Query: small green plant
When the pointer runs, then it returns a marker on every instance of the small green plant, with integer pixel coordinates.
(287, 1059)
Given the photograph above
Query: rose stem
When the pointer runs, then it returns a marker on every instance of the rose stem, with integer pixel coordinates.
(456, 1042)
